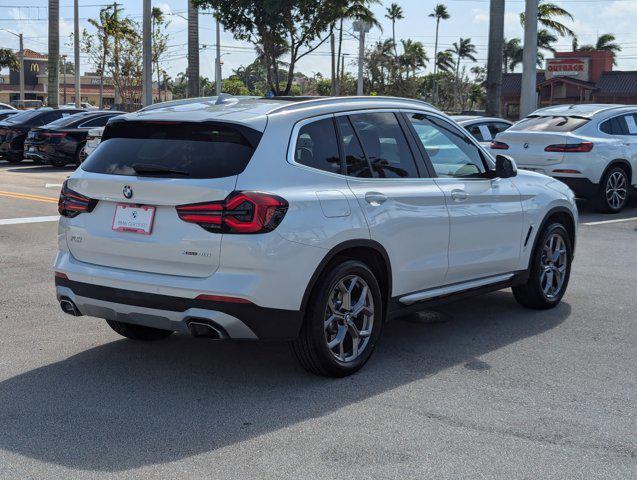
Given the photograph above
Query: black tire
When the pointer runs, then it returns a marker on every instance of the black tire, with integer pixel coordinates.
(311, 347)
(531, 294)
(602, 201)
(138, 332)
(37, 161)
(79, 157)
(13, 158)
(59, 162)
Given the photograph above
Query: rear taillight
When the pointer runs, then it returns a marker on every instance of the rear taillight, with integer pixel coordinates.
(54, 134)
(499, 145)
(573, 147)
(240, 212)
(71, 203)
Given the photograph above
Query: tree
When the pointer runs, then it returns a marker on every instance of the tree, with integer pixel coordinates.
(8, 59)
(493, 78)
(547, 14)
(126, 67)
(604, 42)
(253, 77)
(53, 70)
(440, 13)
(394, 13)
(301, 25)
(511, 54)
(98, 45)
(445, 62)
(463, 49)
(413, 56)
(160, 42)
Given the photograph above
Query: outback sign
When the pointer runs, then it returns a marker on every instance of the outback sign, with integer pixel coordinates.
(567, 67)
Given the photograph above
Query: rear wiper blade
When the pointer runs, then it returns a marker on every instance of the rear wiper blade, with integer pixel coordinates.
(153, 169)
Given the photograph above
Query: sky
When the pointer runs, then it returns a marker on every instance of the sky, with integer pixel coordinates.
(469, 19)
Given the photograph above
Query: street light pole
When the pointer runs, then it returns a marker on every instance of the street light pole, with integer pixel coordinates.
(76, 53)
(147, 66)
(218, 61)
(528, 95)
(362, 28)
(494, 60)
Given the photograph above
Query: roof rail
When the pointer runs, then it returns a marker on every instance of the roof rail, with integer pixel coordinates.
(352, 99)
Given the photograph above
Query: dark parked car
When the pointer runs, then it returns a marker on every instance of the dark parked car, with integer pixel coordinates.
(7, 113)
(61, 142)
(14, 130)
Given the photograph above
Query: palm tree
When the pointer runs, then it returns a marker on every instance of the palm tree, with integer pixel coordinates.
(103, 27)
(440, 13)
(463, 49)
(547, 13)
(193, 50)
(606, 42)
(394, 13)
(159, 44)
(53, 68)
(413, 57)
(444, 61)
(511, 54)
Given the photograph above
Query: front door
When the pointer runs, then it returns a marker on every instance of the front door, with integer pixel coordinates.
(405, 213)
(486, 216)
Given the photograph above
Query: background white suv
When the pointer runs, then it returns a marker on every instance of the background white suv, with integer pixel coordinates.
(592, 148)
(312, 221)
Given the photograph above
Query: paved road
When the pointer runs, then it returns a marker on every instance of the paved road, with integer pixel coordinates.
(478, 389)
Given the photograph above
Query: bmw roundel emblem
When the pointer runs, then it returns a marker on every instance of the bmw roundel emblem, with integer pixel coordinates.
(127, 191)
(526, 145)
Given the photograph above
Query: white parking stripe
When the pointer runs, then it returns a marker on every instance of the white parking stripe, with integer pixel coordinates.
(17, 221)
(52, 185)
(618, 220)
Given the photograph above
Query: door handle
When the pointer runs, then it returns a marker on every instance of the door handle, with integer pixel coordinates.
(375, 198)
(459, 195)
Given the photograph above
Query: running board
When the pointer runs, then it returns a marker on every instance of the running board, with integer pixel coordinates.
(455, 288)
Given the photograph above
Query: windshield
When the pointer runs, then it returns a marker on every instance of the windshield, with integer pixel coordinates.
(173, 150)
(556, 123)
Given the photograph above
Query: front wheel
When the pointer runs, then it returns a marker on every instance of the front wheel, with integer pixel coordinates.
(550, 270)
(343, 321)
(138, 332)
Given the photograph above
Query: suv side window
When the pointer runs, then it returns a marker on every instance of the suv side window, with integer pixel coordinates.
(356, 164)
(614, 126)
(49, 117)
(316, 146)
(385, 145)
(450, 151)
(497, 127)
(96, 122)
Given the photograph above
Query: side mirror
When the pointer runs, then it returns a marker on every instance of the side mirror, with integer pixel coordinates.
(505, 167)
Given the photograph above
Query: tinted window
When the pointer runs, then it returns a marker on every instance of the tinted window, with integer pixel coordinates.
(316, 146)
(24, 116)
(474, 130)
(385, 145)
(497, 127)
(549, 124)
(355, 162)
(196, 150)
(96, 122)
(618, 125)
(450, 151)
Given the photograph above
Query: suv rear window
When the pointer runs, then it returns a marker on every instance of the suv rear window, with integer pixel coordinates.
(557, 123)
(190, 150)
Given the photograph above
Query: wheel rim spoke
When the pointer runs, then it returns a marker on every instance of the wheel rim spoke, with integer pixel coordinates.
(553, 263)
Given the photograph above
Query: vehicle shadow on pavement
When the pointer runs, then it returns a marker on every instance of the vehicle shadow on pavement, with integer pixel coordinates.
(126, 404)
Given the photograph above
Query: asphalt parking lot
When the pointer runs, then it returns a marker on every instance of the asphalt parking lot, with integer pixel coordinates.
(477, 389)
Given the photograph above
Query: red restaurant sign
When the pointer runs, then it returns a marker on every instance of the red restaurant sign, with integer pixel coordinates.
(567, 67)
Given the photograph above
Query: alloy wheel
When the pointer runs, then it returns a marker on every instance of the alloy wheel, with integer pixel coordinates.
(616, 189)
(349, 318)
(553, 263)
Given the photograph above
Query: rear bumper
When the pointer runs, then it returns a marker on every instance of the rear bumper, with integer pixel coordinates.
(245, 321)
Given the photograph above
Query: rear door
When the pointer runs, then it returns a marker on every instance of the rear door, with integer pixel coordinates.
(205, 160)
(404, 209)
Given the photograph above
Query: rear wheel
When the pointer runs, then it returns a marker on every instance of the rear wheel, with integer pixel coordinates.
(80, 155)
(138, 332)
(13, 158)
(613, 191)
(549, 271)
(59, 162)
(343, 321)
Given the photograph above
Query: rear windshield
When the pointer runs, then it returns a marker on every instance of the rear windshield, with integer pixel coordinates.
(25, 116)
(557, 123)
(192, 150)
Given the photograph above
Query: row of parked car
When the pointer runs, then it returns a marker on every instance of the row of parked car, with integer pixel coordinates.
(590, 147)
(50, 136)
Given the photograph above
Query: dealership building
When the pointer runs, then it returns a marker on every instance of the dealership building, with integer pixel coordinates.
(572, 77)
(36, 84)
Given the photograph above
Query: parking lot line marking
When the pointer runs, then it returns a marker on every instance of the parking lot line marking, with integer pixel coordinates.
(17, 221)
(618, 220)
(52, 185)
(28, 196)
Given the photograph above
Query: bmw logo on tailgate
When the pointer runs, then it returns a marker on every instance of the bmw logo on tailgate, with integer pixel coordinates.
(127, 191)
(526, 145)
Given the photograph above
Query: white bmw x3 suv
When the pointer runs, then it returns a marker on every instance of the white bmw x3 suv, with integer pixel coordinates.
(590, 147)
(311, 221)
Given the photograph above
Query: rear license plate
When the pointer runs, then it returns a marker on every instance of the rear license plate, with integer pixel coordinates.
(134, 218)
(33, 149)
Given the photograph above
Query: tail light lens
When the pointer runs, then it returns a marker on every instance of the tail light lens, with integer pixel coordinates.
(71, 203)
(240, 212)
(573, 147)
(54, 134)
(499, 145)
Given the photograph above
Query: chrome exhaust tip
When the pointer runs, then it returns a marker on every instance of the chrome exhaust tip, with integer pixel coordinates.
(203, 328)
(69, 307)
